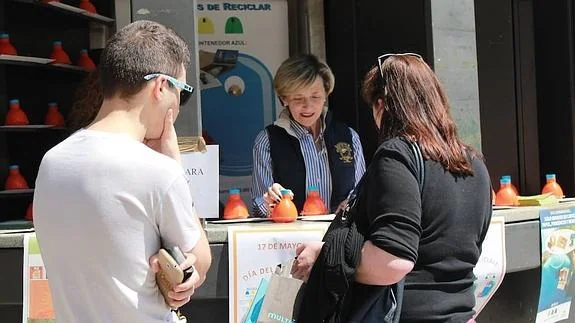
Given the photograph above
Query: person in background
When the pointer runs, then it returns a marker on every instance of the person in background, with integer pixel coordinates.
(112, 194)
(87, 102)
(305, 146)
(432, 238)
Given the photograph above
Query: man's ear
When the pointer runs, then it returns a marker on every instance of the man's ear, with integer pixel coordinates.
(158, 87)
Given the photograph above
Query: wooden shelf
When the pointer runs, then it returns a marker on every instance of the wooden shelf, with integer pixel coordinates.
(70, 10)
(39, 62)
(16, 193)
(31, 128)
(16, 226)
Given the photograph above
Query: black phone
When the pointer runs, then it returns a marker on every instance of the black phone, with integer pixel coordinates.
(179, 257)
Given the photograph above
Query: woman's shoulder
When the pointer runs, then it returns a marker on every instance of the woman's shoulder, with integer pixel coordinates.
(262, 139)
(396, 145)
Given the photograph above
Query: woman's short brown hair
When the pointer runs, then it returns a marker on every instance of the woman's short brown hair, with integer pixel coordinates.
(301, 71)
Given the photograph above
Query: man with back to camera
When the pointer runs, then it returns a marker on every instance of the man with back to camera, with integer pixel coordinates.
(110, 195)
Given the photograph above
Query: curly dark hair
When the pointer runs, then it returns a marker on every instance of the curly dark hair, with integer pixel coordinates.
(87, 102)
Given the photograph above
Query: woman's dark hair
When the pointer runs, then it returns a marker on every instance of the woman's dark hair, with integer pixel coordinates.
(416, 107)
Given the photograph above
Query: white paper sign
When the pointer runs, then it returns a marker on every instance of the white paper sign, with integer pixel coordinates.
(490, 268)
(203, 174)
(255, 251)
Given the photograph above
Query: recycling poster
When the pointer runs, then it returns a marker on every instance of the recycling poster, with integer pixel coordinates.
(241, 45)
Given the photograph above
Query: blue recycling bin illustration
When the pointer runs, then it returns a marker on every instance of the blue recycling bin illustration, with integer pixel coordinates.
(238, 101)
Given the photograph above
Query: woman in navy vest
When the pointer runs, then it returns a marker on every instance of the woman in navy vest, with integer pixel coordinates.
(305, 146)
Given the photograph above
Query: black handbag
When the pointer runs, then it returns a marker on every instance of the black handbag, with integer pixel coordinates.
(332, 276)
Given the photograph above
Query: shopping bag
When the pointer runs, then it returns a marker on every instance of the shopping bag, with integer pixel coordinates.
(282, 299)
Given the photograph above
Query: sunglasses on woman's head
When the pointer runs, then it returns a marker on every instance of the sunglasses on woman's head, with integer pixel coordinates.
(383, 57)
(185, 89)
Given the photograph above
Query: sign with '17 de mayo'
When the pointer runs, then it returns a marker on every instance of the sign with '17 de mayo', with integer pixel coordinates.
(254, 253)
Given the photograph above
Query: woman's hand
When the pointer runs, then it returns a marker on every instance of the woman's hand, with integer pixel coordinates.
(306, 254)
(273, 196)
(341, 206)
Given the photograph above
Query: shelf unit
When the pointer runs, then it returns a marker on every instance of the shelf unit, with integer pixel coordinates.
(32, 127)
(67, 9)
(35, 62)
(32, 78)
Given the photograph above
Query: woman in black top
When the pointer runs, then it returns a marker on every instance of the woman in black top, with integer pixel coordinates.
(432, 238)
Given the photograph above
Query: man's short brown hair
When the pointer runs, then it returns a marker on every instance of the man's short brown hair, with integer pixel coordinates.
(140, 48)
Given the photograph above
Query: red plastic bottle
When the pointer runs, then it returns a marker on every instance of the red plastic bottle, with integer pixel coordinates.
(235, 207)
(15, 180)
(16, 116)
(29, 213)
(552, 186)
(505, 196)
(313, 205)
(85, 61)
(284, 211)
(53, 116)
(6, 47)
(88, 6)
(59, 55)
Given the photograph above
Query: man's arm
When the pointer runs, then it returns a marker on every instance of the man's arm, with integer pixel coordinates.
(202, 254)
(179, 226)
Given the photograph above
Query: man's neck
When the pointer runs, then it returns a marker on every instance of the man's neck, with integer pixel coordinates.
(120, 116)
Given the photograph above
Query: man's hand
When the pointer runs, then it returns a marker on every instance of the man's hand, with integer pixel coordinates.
(306, 255)
(168, 142)
(181, 293)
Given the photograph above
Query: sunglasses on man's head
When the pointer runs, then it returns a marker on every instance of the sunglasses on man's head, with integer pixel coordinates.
(185, 89)
(383, 57)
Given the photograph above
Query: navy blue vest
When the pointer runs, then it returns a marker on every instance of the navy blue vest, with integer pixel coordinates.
(288, 167)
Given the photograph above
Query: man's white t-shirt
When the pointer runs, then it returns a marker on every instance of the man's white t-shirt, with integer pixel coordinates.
(103, 204)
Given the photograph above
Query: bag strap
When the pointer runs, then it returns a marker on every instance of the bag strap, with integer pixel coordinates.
(419, 164)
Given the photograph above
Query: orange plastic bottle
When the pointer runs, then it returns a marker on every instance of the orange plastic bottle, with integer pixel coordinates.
(492, 197)
(511, 183)
(29, 215)
(85, 61)
(16, 116)
(88, 6)
(284, 211)
(505, 195)
(53, 116)
(59, 55)
(313, 205)
(552, 186)
(15, 180)
(6, 47)
(235, 207)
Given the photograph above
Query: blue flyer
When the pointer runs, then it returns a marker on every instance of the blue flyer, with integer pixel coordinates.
(557, 264)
